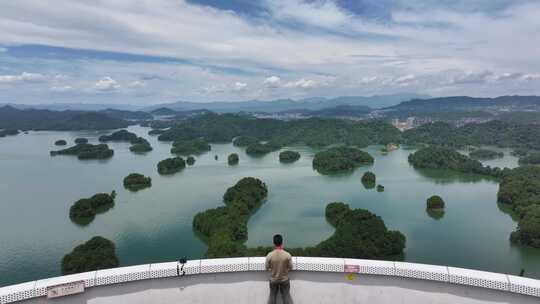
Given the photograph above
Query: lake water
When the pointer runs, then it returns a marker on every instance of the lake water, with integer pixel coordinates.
(154, 225)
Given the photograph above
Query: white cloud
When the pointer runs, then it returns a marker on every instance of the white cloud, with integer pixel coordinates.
(240, 86)
(62, 89)
(106, 84)
(404, 80)
(508, 76)
(137, 84)
(531, 77)
(471, 78)
(23, 77)
(303, 84)
(272, 82)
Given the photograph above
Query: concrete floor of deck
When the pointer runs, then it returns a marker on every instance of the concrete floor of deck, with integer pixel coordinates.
(306, 287)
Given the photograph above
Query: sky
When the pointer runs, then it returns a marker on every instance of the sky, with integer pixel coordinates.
(145, 52)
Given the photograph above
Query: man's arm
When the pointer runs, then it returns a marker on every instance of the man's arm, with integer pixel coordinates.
(267, 264)
(290, 263)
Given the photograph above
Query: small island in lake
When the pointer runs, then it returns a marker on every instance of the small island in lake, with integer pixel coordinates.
(244, 141)
(369, 180)
(87, 151)
(340, 159)
(81, 140)
(97, 253)
(435, 207)
(519, 189)
(258, 149)
(140, 145)
(380, 188)
(485, 154)
(60, 142)
(190, 160)
(9, 132)
(187, 147)
(233, 159)
(84, 210)
(121, 135)
(171, 165)
(135, 182)
(289, 156)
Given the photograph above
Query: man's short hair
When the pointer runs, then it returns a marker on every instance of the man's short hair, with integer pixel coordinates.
(278, 240)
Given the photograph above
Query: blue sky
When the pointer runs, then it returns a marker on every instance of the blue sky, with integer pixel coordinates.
(153, 51)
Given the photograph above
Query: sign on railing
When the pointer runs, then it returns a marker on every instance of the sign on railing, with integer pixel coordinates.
(65, 289)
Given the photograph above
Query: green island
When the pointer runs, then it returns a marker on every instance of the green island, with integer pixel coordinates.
(121, 135)
(140, 145)
(380, 188)
(233, 159)
(369, 180)
(531, 159)
(135, 182)
(289, 156)
(225, 228)
(340, 159)
(435, 207)
(60, 142)
(156, 132)
(520, 189)
(87, 151)
(257, 149)
(83, 211)
(190, 160)
(359, 233)
(187, 147)
(97, 253)
(244, 141)
(81, 140)
(493, 133)
(171, 165)
(440, 157)
(313, 132)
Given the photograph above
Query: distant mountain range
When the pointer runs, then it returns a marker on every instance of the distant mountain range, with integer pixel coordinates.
(272, 106)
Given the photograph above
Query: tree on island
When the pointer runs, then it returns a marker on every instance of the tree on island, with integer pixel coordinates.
(244, 141)
(369, 180)
(81, 140)
(485, 154)
(97, 253)
(340, 159)
(233, 159)
(87, 151)
(187, 147)
(258, 149)
(140, 145)
(520, 189)
(9, 132)
(84, 210)
(435, 207)
(380, 188)
(190, 160)
(121, 135)
(171, 165)
(531, 159)
(60, 142)
(289, 156)
(135, 182)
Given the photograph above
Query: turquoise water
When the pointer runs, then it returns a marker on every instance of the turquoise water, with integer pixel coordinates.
(154, 225)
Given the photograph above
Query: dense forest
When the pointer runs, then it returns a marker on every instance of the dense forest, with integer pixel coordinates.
(97, 253)
(233, 159)
(340, 159)
(530, 159)
(492, 133)
(135, 182)
(171, 165)
(288, 156)
(84, 210)
(12, 118)
(484, 154)
(87, 151)
(369, 180)
(312, 132)
(520, 188)
(193, 146)
(225, 228)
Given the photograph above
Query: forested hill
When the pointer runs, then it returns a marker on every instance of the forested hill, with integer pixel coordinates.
(30, 119)
(465, 103)
(313, 131)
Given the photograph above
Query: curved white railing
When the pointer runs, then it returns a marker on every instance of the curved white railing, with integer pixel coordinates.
(453, 275)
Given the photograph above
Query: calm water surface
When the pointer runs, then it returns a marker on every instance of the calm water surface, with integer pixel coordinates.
(154, 225)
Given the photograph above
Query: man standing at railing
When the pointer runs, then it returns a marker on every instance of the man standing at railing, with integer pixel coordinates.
(279, 262)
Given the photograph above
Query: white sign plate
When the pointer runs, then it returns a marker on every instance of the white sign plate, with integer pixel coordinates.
(65, 289)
